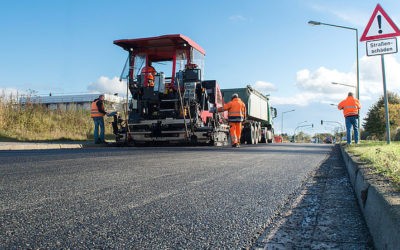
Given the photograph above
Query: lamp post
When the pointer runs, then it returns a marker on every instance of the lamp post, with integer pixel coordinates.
(348, 85)
(282, 120)
(357, 63)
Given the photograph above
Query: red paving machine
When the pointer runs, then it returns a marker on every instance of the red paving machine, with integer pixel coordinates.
(172, 103)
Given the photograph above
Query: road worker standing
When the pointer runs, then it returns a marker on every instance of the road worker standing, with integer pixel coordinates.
(97, 112)
(350, 107)
(236, 115)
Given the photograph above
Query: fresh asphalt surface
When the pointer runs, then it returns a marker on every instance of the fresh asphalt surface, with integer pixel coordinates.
(148, 198)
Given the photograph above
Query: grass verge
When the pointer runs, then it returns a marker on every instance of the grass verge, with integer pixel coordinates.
(34, 122)
(383, 158)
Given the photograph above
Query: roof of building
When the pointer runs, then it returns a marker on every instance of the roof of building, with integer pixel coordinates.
(82, 98)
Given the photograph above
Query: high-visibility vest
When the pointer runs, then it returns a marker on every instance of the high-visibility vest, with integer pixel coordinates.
(94, 110)
(236, 110)
(350, 106)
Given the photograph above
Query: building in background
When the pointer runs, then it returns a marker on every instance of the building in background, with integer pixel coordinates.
(71, 102)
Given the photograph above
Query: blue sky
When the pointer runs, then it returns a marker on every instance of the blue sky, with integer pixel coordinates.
(66, 46)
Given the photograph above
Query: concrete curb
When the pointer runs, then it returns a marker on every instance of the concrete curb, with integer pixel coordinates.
(380, 208)
(38, 145)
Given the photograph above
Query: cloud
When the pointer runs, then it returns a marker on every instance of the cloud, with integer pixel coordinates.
(107, 85)
(371, 82)
(321, 80)
(264, 86)
(316, 86)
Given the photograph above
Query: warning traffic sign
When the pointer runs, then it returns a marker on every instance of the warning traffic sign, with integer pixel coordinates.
(380, 26)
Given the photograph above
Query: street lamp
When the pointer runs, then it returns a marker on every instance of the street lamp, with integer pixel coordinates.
(357, 63)
(301, 122)
(349, 28)
(282, 119)
(348, 85)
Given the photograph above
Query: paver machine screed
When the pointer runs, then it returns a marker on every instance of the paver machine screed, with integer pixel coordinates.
(173, 106)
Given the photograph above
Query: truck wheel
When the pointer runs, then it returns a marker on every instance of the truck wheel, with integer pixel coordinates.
(269, 135)
(263, 136)
(259, 132)
(253, 135)
(249, 135)
(243, 137)
(256, 134)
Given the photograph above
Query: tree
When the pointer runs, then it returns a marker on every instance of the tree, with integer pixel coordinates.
(375, 123)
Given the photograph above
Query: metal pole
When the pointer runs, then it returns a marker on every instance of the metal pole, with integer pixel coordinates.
(386, 101)
(282, 120)
(358, 82)
(358, 68)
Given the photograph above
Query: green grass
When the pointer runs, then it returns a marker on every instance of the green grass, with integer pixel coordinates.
(34, 122)
(384, 158)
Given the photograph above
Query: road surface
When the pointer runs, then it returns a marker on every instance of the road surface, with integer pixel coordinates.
(148, 198)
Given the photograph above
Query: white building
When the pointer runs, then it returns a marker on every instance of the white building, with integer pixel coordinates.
(68, 102)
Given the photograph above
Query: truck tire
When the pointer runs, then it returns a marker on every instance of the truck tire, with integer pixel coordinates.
(243, 136)
(259, 132)
(269, 134)
(263, 136)
(253, 134)
(248, 135)
(256, 133)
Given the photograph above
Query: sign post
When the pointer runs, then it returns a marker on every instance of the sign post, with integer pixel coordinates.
(380, 35)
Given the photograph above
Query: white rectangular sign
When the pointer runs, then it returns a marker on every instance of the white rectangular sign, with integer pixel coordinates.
(381, 47)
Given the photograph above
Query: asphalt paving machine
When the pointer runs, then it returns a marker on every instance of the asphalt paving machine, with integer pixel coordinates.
(175, 107)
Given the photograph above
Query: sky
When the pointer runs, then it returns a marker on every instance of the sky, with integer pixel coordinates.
(66, 47)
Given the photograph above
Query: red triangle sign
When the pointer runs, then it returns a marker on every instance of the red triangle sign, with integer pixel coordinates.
(380, 26)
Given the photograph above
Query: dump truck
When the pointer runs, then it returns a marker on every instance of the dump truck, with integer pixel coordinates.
(258, 126)
(172, 104)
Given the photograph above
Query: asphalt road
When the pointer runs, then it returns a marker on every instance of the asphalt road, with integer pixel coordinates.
(148, 198)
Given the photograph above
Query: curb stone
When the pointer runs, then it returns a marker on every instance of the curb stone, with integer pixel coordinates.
(379, 206)
(4, 146)
(38, 145)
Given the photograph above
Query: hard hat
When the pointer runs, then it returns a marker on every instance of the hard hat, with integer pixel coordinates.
(235, 95)
(150, 76)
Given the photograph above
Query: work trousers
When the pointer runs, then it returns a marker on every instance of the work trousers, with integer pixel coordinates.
(235, 131)
(98, 123)
(351, 121)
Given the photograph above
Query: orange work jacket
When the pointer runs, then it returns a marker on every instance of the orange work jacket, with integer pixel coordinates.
(94, 110)
(350, 106)
(236, 110)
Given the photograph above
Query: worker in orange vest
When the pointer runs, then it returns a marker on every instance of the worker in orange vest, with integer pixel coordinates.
(148, 72)
(350, 107)
(236, 115)
(97, 112)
